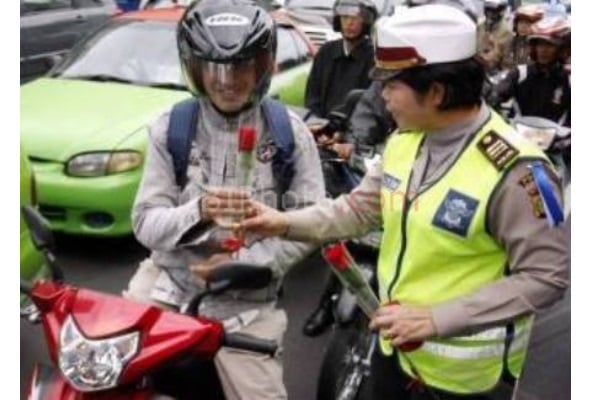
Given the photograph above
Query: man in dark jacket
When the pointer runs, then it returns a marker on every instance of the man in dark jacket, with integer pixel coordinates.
(344, 64)
(542, 88)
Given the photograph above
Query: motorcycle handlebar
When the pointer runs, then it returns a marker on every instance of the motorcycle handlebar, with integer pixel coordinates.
(246, 342)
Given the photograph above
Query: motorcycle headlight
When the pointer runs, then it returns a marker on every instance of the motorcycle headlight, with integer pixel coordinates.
(103, 163)
(91, 365)
(541, 137)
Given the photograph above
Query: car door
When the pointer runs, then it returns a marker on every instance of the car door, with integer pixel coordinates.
(48, 28)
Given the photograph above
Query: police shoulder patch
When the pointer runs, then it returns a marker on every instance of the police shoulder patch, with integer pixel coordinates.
(456, 213)
(537, 206)
(497, 149)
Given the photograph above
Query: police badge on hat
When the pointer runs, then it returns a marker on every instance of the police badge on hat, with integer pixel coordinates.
(456, 213)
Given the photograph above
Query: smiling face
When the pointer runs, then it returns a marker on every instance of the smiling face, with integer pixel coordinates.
(229, 86)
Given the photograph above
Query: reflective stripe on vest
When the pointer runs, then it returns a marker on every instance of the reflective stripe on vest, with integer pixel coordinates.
(478, 352)
(436, 248)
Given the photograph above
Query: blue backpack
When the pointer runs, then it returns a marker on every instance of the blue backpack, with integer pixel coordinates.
(182, 130)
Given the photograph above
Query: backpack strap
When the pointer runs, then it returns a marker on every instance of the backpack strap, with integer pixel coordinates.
(180, 133)
(282, 134)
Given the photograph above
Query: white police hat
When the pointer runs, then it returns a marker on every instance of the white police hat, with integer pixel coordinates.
(423, 35)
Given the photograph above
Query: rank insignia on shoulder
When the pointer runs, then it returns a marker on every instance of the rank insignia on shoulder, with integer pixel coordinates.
(528, 184)
(496, 149)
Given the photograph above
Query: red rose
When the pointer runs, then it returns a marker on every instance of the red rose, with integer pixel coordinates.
(336, 256)
(247, 139)
(232, 244)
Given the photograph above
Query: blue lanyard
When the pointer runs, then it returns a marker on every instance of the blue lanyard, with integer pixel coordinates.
(553, 208)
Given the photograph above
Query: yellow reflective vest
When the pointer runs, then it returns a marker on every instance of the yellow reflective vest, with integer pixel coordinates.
(437, 247)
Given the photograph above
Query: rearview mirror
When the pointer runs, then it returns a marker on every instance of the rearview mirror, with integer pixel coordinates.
(233, 275)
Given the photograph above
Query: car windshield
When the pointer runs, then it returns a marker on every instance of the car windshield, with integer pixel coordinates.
(120, 53)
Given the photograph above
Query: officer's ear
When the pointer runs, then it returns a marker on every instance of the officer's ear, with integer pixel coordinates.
(437, 95)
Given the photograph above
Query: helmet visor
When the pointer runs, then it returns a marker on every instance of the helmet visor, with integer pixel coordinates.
(347, 10)
(229, 85)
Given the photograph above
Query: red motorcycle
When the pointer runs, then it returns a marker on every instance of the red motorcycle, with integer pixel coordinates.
(108, 347)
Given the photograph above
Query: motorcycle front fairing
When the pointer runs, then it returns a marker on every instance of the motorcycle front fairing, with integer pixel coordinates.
(98, 319)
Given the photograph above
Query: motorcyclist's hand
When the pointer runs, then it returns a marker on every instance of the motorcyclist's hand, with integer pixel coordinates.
(316, 127)
(403, 323)
(343, 150)
(329, 140)
(202, 271)
(266, 221)
(225, 203)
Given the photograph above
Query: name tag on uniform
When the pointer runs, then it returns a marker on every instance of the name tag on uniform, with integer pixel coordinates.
(456, 213)
(390, 182)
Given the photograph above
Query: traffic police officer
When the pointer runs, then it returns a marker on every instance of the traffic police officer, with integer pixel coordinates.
(473, 245)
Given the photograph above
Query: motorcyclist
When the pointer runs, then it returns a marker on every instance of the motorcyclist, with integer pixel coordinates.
(342, 65)
(542, 88)
(339, 67)
(518, 51)
(469, 250)
(497, 35)
(227, 52)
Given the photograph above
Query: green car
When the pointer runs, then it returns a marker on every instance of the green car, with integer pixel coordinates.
(84, 124)
(33, 266)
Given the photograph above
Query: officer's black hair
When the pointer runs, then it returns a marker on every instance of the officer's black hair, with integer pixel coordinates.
(462, 82)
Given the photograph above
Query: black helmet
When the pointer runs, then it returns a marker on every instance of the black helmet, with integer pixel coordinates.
(365, 8)
(226, 32)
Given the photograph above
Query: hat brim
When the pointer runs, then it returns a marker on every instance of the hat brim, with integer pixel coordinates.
(540, 38)
(380, 74)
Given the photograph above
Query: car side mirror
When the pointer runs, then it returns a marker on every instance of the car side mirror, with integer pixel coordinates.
(41, 235)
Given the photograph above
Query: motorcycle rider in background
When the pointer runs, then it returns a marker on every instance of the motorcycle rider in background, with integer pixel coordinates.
(498, 34)
(339, 67)
(342, 65)
(518, 51)
(541, 88)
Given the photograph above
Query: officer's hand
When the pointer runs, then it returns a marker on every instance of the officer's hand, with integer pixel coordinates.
(403, 323)
(266, 221)
(202, 271)
(220, 204)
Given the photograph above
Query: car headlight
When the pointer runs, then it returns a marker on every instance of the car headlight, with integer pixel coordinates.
(103, 163)
(91, 365)
(541, 137)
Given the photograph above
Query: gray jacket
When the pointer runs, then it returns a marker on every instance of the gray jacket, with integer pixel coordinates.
(167, 219)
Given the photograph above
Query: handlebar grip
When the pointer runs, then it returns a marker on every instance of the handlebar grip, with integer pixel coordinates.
(250, 343)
